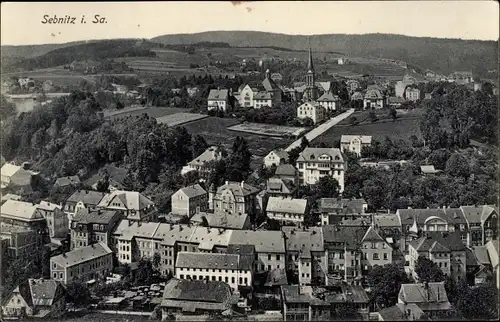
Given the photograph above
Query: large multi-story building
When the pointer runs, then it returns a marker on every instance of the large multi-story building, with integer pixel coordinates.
(90, 227)
(189, 200)
(57, 220)
(220, 267)
(269, 248)
(25, 215)
(20, 242)
(306, 255)
(314, 163)
(443, 248)
(82, 264)
(236, 197)
(81, 199)
(482, 222)
(134, 205)
(373, 99)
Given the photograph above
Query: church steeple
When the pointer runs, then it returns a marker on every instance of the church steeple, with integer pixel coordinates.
(310, 66)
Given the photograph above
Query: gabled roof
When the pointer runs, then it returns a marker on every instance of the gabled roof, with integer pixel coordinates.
(282, 154)
(365, 139)
(449, 241)
(399, 312)
(450, 215)
(132, 200)
(193, 191)
(278, 185)
(191, 295)
(285, 170)
(430, 297)
(218, 94)
(269, 84)
(328, 97)
(48, 206)
(438, 248)
(390, 220)
(88, 197)
(305, 242)
(20, 210)
(218, 220)
(342, 236)
(372, 235)
(357, 96)
(478, 214)
(208, 260)
(264, 241)
(45, 292)
(83, 254)
(373, 94)
(66, 181)
(213, 153)
(263, 96)
(313, 154)
(9, 169)
(286, 205)
(481, 255)
(86, 216)
(238, 189)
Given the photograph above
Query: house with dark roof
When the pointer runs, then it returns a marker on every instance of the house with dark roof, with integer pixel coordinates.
(189, 200)
(344, 246)
(269, 246)
(195, 297)
(213, 267)
(67, 181)
(402, 312)
(333, 210)
(306, 254)
(133, 204)
(306, 303)
(82, 199)
(373, 99)
(89, 226)
(329, 101)
(277, 187)
(218, 99)
(376, 250)
(221, 220)
(83, 264)
(272, 90)
(35, 298)
(431, 298)
(236, 197)
(443, 248)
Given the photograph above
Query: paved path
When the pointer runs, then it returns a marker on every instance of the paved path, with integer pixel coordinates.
(317, 131)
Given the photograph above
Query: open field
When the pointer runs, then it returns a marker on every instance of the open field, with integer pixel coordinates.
(180, 118)
(382, 114)
(156, 111)
(215, 131)
(268, 129)
(402, 128)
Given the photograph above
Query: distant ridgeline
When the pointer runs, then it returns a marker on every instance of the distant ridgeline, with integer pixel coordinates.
(99, 50)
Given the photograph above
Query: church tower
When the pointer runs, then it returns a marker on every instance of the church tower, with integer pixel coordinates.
(311, 92)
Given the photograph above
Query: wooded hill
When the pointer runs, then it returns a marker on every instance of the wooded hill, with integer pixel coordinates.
(438, 54)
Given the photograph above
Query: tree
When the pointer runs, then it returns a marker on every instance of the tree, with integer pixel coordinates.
(385, 282)
(119, 105)
(372, 116)
(78, 293)
(238, 163)
(199, 145)
(393, 114)
(479, 302)
(304, 143)
(428, 271)
(293, 154)
(156, 261)
(144, 273)
(326, 187)
(458, 166)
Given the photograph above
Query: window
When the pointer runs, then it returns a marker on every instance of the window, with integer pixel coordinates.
(385, 256)
(277, 257)
(374, 245)
(375, 256)
(182, 276)
(226, 279)
(269, 257)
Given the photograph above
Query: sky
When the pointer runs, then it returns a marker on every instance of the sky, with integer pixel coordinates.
(21, 22)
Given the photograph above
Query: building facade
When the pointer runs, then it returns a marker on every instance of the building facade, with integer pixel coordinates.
(314, 163)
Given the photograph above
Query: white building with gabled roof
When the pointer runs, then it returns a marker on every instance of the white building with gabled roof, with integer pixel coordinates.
(355, 143)
(287, 210)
